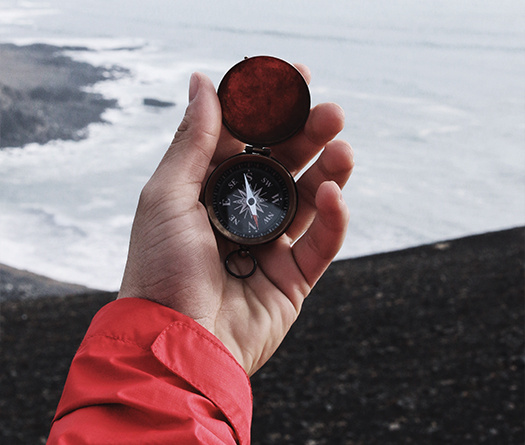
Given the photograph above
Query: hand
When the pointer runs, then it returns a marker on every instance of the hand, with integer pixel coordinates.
(177, 260)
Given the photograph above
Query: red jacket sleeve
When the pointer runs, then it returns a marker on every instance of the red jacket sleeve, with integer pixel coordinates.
(145, 374)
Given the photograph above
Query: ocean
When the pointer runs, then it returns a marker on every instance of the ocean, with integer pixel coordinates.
(434, 95)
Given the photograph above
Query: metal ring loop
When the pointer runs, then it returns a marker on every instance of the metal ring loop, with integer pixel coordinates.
(243, 253)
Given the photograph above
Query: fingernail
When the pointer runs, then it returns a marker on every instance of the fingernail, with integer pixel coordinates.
(194, 86)
(339, 191)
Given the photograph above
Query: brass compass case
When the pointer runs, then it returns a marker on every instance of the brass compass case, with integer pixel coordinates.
(228, 207)
(251, 198)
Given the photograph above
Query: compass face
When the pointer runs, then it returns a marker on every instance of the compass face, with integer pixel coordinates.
(251, 199)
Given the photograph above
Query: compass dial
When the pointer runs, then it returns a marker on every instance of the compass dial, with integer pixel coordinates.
(251, 199)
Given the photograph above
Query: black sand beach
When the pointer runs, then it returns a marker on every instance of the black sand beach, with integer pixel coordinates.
(420, 346)
(424, 345)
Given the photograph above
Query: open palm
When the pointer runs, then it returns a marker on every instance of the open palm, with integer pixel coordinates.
(176, 259)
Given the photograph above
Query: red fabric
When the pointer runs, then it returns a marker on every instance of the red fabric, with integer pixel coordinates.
(145, 374)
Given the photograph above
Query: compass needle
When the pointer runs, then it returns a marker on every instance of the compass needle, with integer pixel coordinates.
(251, 201)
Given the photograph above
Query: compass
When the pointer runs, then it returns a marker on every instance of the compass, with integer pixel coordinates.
(251, 198)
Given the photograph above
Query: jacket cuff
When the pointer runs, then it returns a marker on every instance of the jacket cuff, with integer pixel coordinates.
(187, 349)
(190, 351)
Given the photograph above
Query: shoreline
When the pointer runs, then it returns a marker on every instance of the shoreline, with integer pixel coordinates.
(21, 284)
(422, 345)
(43, 94)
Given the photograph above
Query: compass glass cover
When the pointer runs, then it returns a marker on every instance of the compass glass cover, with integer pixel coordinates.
(249, 200)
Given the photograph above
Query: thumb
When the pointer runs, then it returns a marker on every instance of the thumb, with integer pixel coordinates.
(189, 155)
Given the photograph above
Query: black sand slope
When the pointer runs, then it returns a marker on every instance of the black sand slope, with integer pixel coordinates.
(422, 346)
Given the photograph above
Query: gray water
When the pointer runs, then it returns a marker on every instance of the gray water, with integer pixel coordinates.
(433, 92)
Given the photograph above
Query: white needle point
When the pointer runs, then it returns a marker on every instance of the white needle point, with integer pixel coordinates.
(250, 200)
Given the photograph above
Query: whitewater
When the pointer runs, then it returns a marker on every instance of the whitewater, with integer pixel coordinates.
(434, 95)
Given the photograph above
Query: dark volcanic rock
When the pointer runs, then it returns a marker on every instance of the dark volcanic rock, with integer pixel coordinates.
(150, 102)
(42, 94)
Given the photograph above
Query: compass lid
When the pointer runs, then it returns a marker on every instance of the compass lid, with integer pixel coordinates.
(264, 100)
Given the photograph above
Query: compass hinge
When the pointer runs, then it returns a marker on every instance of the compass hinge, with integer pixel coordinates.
(258, 150)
